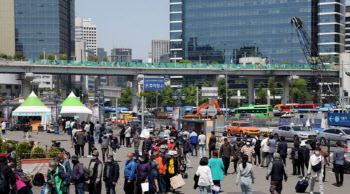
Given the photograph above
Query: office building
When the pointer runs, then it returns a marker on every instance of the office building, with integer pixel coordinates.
(84, 29)
(119, 55)
(223, 30)
(44, 26)
(7, 30)
(159, 48)
(347, 30)
(136, 60)
(101, 53)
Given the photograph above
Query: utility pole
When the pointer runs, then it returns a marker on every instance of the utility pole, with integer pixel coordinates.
(197, 102)
(226, 101)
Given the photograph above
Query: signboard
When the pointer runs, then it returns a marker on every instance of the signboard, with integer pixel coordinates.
(153, 83)
(76, 117)
(142, 94)
(33, 166)
(212, 111)
(176, 112)
(5, 113)
(338, 119)
(210, 92)
(111, 92)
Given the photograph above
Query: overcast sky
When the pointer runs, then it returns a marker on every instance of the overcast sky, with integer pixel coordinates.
(127, 23)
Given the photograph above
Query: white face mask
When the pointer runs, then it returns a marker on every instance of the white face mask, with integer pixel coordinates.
(171, 140)
(317, 153)
(142, 159)
(134, 158)
(185, 138)
(94, 157)
(109, 160)
(248, 143)
(155, 153)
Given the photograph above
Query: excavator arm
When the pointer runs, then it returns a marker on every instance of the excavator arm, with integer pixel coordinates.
(216, 103)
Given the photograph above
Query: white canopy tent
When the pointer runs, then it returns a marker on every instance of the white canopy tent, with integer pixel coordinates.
(72, 107)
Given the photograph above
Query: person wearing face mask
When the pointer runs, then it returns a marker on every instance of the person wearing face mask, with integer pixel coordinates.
(57, 179)
(110, 174)
(129, 174)
(142, 170)
(153, 176)
(65, 164)
(194, 141)
(162, 169)
(325, 155)
(104, 146)
(96, 168)
(78, 175)
(249, 151)
(171, 144)
(135, 157)
(315, 170)
(172, 169)
(277, 170)
(186, 151)
(225, 154)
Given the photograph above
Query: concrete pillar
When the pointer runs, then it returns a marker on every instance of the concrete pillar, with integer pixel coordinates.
(239, 98)
(134, 99)
(26, 87)
(268, 97)
(251, 90)
(285, 92)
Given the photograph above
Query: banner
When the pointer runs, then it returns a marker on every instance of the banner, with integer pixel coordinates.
(95, 111)
(53, 114)
(176, 112)
(33, 166)
(5, 113)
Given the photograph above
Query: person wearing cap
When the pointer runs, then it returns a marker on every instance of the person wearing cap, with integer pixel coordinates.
(110, 174)
(306, 153)
(11, 155)
(171, 143)
(153, 176)
(7, 173)
(95, 177)
(162, 168)
(78, 175)
(129, 174)
(225, 154)
(142, 170)
(172, 169)
(57, 179)
(249, 151)
(135, 156)
(278, 172)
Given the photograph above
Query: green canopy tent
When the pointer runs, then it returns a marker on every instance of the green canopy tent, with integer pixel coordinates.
(72, 107)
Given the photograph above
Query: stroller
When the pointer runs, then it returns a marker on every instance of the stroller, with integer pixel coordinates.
(65, 153)
(182, 168)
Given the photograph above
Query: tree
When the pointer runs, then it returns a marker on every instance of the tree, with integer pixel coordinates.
(272, 86)
(245, 93)
(262, 93)
(41, 56)
(63, 57)
(126, 96)
(335, 59)
(222, 91)
(166, 97)
(92, 58)
(105, 59)
(299, 89)
(185, 61)
(19, 56)
(50, 56)
(214, 62)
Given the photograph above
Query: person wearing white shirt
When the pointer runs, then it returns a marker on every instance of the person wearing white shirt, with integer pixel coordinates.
(265, 150)
(205, 180)
(167, 133)
(315, 170)
(3, 126)
(201, 143)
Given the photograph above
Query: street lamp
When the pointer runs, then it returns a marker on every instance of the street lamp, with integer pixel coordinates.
(99, 99)
(56, 97)
(178, 97)
(8, 98)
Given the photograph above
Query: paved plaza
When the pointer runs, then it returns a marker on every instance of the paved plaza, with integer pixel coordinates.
(261, 185)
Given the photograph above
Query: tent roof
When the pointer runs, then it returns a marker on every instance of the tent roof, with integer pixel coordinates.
(32, 100)
(72, 100)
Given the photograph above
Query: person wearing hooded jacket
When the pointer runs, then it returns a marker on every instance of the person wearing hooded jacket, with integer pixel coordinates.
(104, 146)
(142, 170)
(57, 179)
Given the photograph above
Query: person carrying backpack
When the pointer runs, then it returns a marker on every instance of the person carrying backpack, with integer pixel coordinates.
(78, 175)
(110, 174)
(315, 170)
(113, 144)
(297, 160)
(193, 141)
(95, 168)
(257, 147)
(7, 177)
(57, 179)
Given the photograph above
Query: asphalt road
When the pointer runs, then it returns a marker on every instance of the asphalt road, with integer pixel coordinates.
(261, 186)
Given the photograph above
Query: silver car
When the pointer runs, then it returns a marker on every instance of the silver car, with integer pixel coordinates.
(294, 132)
(334, 135)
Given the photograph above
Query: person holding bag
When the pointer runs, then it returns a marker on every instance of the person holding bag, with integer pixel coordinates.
(205, 180)
(315, 170)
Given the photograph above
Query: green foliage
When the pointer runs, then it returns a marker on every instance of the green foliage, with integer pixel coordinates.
(19, 56)
(23, 148)
(53, 152)
(50, 56)
(92, 58)
(299, 89)
(3, 145)
(165, 98)
(336, 59)
(63, 57)
(39, 150)
(1, 141)
(245, 93)
(2, 55)
(126, 96)
(191, 95)
(214, 62)
(272, 86)
(285, 63)
(222, 91)
(325, 58)
(262, 93)
(41, 56)
(105, 59)
(185, 61)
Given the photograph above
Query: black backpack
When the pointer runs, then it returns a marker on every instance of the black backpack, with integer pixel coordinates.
(4, 186)
(39, 179)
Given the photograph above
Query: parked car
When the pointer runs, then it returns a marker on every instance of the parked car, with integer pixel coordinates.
(295, 133)
(334, 135)
(241, 127)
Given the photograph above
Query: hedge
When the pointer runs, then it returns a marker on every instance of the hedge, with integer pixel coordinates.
(53, 152)
(3, 146)
(38, 152)
(23, 148)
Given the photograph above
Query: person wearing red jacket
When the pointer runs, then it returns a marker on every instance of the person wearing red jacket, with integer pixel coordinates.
(162, 170)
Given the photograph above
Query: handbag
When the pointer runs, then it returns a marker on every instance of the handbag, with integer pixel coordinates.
(45, 189)
(196, 179)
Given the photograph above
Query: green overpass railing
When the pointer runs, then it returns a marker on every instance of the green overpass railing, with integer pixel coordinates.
(174, 65)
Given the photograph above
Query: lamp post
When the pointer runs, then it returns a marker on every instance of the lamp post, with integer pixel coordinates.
(8, 98)
(178, 97)
(99, 99)
(56, 97)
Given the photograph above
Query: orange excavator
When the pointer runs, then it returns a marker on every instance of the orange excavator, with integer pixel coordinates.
(215, 103)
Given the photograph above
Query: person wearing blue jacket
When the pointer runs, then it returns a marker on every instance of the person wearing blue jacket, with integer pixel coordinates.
(57, 179)
(129, 174)
(65, 164)
(91, 142)
(193, 141)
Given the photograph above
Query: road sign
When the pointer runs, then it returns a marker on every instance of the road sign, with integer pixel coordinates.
(153, 83)
(142, 94)
(338, 119)
(212, 111)
(203, 111)
(210, 92)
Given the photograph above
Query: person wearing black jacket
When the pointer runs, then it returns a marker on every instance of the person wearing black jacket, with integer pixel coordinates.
(297, 160)
(26, 130)
(257, 147)
(277, 171)
(8, 174)
(186, 151)
(122, 136)
(282, 149)
(306, 154)
(212, 143)
(172, 170)
(110, 174)
(113, 144)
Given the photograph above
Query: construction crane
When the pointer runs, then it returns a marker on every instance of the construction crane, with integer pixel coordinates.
(311, 55)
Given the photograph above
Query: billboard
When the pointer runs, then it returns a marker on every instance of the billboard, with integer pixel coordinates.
(153, 83)
(338, 119)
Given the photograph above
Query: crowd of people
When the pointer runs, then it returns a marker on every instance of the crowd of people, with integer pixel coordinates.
(156, 160)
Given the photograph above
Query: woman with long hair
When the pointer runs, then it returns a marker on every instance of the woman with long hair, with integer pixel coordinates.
(217, 169)
(245, 175)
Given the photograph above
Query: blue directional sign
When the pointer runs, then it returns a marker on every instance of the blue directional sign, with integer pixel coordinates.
(338, 119)
(153, 84)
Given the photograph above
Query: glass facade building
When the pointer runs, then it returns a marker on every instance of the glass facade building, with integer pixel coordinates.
(226, 30)
(45, 25)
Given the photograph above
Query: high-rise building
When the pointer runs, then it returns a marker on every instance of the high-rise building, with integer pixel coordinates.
(7, 30)
(222, 30)
(347, 30)
(159, 48)
(119, 55)
(84, 29)
(101, 53)
(44, 26)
